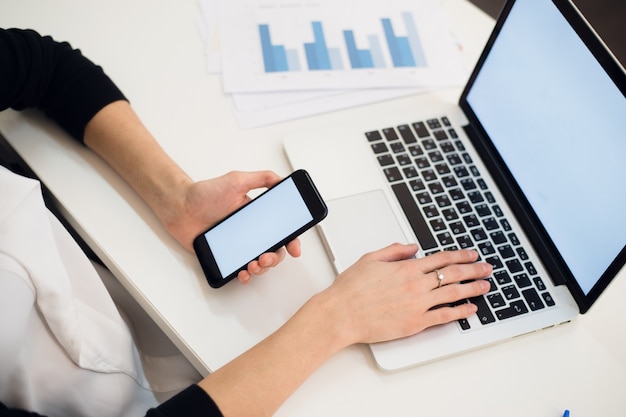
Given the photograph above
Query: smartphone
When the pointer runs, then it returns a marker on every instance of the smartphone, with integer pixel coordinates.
(274, 218)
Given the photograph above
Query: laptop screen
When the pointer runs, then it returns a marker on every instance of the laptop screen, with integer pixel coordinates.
(556, 119)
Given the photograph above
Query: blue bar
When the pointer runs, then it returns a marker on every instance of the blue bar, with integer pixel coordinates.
(292, 60)
(378, 60)
(334, 55)
(414, 40)
(359, 58)
(317, 52)
(399, 47)
(274, 57)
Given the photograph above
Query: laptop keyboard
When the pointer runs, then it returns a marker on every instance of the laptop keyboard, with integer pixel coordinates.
(449, 206)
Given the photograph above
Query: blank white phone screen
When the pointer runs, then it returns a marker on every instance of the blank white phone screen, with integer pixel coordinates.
(260, 225)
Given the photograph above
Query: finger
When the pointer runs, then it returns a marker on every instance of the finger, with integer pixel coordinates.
(455, 273)
(455, 292)
(270, 259)
(393, 252)
(259, 179)
(442, 259)
(293, 248)
(244, 277)
(445, 315)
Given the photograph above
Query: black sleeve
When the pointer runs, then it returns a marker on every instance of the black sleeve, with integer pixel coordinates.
(36, 71)
(192, 402)
(11, 412)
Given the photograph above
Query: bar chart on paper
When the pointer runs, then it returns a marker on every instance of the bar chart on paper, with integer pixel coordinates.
(404, 51)
(272, 45)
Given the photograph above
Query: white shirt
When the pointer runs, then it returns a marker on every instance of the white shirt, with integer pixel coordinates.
(65, 349)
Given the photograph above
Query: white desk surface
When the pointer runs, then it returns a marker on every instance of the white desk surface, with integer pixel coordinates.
(154, 52)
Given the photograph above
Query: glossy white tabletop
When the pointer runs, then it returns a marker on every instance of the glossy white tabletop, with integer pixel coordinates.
(154, 52)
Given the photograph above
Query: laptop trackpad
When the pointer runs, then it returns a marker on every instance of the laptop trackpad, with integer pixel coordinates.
(359, 224)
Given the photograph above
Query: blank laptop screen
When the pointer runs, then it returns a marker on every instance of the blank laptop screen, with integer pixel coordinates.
(559, 123)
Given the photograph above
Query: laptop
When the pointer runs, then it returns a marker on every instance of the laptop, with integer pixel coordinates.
(527, 169)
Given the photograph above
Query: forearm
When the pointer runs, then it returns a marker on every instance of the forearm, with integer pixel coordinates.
(117, 135)
(260, 380)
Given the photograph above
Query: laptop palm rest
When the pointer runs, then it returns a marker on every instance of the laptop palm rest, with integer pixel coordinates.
(358, 224)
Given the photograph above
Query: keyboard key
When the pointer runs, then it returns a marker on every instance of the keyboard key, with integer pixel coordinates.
(407, 135)
(453, 133)
(438, 225)
(390, 134)
(514, 266)
(461, 172)
(530, 268)
(464, 207)
(442, 169)
(539, 284)
(456, 194)
(424, 198)
(510, 292)
(454, 159)
(498, 237)
(385, 160)
(397, 147)
(420, 129)
(468, 184)
(435, 156)
(403, 159)
(457, 228)
(521, 252)
(478, 234)
(433, 123)
(495, 262)
(548, 299)
(447, 147)
(440, 134)
(471, 220)
(513, 238)
(496, 300)
(516, 308)
(413, 215)
(484, 313)
(532, 299)
(429, 144)
(373, 136)
(443, 200)
(445, 238)
(422, 162)
(490, 223)
(415, 150)
(449, 181)
(417, 184)
(506, 251)
(431, 211)
(464, 242)
(486, 248)
(410, 172)
(475, 197)
(483, 210)
(522, 280)
(392, 174)
(502, 277)
(380, 147)
(429, 175)
(449, 214)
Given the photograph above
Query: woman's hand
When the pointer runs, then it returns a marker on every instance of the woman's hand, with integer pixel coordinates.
(204, 203)
(388, 294)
